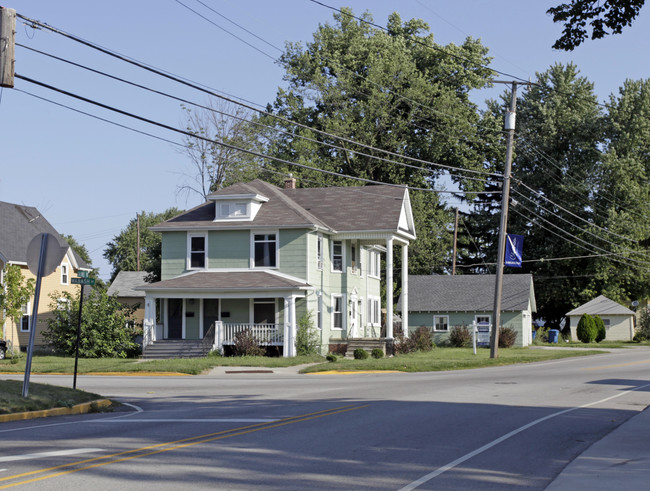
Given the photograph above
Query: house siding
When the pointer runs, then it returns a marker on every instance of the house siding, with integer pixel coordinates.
(229, 249)
(514, 320)
(174, 254)
(293, 247)
(621, 327)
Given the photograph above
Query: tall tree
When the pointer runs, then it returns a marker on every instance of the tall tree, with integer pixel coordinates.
(213, 166)
(604, 17)
(122, 251)
(392, 89)
(559, 128)
(15, 291)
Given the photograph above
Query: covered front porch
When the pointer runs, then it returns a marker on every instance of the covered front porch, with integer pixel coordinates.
(190, 309)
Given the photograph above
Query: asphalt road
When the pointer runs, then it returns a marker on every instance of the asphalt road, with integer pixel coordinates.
(502, 428)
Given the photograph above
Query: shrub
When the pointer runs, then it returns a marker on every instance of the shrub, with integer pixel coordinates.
(643, 329)
(586, 330)
(377, 353)
(360, 354)
(542, 335)
(331, 357)
(423, 339)
(246, 344)
(460, 337)
(404, 346)
(601, 332)
(507, 337)
(307, 337)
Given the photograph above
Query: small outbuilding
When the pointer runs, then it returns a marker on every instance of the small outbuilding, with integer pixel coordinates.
(441, 302)
(618, 320)
(124, 287)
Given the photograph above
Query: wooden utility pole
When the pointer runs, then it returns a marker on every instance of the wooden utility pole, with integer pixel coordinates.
(505, 198)
(7, 46)
(138, 242)
(453, 266)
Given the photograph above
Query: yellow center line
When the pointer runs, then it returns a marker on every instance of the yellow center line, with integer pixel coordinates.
(178, 444)
(630, 363)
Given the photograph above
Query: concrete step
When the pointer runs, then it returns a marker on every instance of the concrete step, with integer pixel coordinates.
(173, 348)
(367, 344)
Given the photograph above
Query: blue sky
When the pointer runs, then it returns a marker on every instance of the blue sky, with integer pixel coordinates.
(89, 178)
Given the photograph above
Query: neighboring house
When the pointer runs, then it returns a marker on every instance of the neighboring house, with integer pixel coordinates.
(259, 257)
(619, 320)
(442, 302)
(18, 226)
(125, 288)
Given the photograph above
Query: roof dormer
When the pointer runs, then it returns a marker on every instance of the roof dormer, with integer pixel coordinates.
(237, 207)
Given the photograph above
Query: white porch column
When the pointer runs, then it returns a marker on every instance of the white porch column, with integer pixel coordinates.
(405, 290)
(149, 321)
(285, 338)
(292, 326)
(389, 288)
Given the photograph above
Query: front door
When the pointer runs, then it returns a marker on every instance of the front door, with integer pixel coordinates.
(175, 318)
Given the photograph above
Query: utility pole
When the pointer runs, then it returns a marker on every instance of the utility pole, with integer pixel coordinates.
(453, 266)
(505, 198)
(138, 241)
(7, 46)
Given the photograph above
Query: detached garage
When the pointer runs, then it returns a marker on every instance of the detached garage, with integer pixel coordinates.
(619, 320)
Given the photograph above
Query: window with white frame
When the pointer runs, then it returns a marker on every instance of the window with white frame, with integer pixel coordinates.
(265, 250)
(337, 311)
(25, 318)
(264, 311)
(319, 311)
(353, 257)
(374, 311)
(233, 210)
(198, 247)
(483, 319)
(374, 263)
(337, 256)
(65, 276)
(441, 323)
(319, 252)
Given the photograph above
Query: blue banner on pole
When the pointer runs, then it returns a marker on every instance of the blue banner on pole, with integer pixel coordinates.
(514, 250)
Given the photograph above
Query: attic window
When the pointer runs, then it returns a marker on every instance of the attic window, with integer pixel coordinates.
(233, 210)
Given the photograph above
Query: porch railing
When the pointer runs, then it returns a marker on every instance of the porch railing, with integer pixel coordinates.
(208, 341)
(266, 334)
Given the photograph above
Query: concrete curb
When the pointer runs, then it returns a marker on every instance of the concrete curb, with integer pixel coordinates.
(57, 411)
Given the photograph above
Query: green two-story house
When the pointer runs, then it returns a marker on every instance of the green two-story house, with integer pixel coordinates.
(258, 257)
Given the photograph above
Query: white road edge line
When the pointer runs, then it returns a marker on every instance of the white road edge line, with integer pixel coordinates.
(460, 460)
(177, 420)
(55, 453)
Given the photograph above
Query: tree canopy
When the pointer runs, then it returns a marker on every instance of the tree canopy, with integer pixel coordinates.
(604, 17)
(122, 251)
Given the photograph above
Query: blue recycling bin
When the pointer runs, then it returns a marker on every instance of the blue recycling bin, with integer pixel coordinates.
(534, 333)
(553, 335)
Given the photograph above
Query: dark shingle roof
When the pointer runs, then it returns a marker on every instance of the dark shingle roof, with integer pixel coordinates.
(601, 306)
(229, 281)
(352, 208)
(469, 293)
(18, 226)
(126, 282)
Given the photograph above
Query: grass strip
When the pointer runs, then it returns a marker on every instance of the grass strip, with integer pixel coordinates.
(41, 396)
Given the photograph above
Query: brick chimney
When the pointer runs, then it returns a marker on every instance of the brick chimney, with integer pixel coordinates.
(290, 182)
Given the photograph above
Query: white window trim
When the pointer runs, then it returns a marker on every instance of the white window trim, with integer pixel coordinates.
(29, 316)
(320, 256)
(435, 318)
(277, 248)
(259, 301)
(374, 263)
(342, 256)
(65, 275)
(343, 311)
(232, 210)
(189, 251)
(483, 315)
(374, 311)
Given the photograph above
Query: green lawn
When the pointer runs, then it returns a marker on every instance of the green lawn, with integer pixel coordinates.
(41, 396)
(440, 359)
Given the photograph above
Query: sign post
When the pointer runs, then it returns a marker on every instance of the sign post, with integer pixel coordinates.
(84, 280)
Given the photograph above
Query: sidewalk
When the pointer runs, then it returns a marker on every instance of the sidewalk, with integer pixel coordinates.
(620, 461)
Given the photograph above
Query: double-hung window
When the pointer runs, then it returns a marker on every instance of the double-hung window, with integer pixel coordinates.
(374, 314)
(25, 318)
(265, 250)
(198, 246)
(353, 257)
(64, 274)
(441, 323)
(374, 264)
(337, 256)
(319, 311)
(319, 252)
(337, 311)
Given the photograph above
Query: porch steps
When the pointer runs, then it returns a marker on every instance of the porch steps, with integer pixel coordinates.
(173, 348)
(367, 344)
